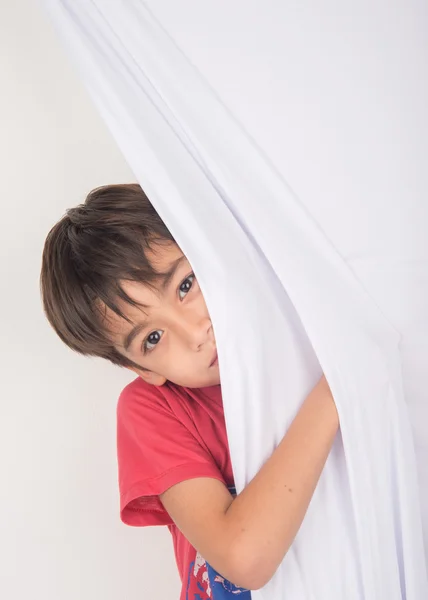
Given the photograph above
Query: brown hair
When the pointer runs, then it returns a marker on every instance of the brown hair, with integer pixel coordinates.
(87, 254)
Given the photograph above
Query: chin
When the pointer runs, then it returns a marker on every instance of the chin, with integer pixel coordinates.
(208, 380)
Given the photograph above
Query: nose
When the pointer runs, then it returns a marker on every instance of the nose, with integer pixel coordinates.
(191, 325)
(198, 332)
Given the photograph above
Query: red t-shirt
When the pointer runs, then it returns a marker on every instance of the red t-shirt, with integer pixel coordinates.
(167, 435)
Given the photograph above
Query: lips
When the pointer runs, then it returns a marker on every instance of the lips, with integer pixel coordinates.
(214, 361)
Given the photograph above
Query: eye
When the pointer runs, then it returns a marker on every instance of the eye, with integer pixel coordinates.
(152, 340)
(186, 286)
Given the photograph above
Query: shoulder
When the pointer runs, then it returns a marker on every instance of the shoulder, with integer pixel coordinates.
(137, 390)
(153, 408)
(139, 395)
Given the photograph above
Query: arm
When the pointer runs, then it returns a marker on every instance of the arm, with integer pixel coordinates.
(246, 538)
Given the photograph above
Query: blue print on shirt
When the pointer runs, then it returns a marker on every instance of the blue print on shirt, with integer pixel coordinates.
(222, 589)
(204, 583)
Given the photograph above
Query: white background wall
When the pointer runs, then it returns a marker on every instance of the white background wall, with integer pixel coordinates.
(60, 536)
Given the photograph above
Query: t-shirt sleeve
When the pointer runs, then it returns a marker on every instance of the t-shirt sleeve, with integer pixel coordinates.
(155, 451)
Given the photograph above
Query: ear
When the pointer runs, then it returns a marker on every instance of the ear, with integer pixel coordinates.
(149, 376)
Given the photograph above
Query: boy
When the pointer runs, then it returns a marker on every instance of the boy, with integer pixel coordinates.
(116, 285)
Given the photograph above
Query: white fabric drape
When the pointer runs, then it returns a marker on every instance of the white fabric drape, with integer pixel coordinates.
(285, 146)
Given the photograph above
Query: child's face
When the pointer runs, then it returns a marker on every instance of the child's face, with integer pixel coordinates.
(171, 335)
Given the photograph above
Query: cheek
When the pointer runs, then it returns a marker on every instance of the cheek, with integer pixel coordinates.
(181, 368)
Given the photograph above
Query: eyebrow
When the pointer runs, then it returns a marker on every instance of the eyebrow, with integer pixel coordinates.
(135, 331)
(166, 279)
(169, 275)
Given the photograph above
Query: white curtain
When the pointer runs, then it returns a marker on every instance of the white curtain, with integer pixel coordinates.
(285, 144)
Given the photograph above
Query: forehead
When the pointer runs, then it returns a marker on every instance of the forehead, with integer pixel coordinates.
(162, 255)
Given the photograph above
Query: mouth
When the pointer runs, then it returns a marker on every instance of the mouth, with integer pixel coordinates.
(214, 361)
